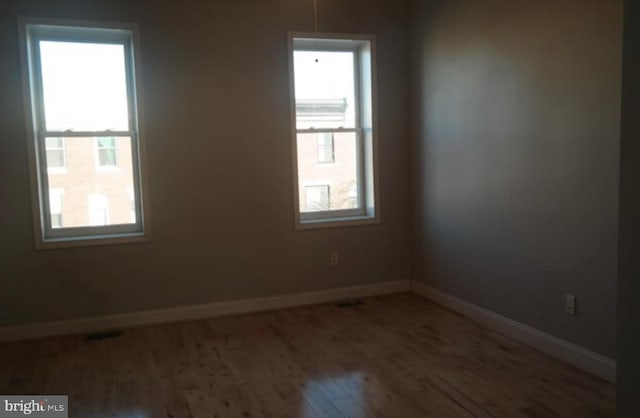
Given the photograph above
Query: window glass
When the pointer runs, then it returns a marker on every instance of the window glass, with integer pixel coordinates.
(325, 91)
(84, 86)
(342, 176)
(81, 180)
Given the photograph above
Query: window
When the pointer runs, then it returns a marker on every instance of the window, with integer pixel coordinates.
(55, 207)
(98, 210)
(82, 97)
(55, 153)
(325, 148)
(317, 198)
(332, 85)
(132, 203)
(107, 153)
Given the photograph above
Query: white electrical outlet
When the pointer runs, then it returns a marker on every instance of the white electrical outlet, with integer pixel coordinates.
(570, 304)
(334, 258)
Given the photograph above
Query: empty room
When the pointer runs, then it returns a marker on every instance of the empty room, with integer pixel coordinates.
(319, 208)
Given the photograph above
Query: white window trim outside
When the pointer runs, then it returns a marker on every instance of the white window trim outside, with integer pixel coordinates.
(132, 203)
(45, 237)
(98, 209)
(63, 169)
(101, 167)
(55, 197)
(331, 146)
(365, 129)
(311, 185)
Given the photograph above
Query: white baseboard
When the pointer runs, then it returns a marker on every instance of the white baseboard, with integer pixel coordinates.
(580, 357)
(194, 312)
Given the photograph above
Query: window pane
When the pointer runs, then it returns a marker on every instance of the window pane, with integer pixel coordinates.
(94, 197)
(84, 86)
(340, 178)
(325, 89)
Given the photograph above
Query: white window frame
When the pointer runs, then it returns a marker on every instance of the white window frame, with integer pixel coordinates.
(363, 47)
(32, 30)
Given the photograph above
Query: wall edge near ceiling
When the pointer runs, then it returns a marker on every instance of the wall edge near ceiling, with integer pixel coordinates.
(195, 312)
(579, 357)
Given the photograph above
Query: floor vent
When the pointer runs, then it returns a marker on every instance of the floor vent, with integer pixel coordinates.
(352, 303)
(103, 335)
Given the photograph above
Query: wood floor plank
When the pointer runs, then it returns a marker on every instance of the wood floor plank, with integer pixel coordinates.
(393, 356)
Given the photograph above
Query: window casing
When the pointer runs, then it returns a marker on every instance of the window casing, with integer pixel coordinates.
(55, 51)
(333, 141)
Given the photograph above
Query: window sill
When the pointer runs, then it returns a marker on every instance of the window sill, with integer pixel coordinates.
(91, 241)
(337, 222)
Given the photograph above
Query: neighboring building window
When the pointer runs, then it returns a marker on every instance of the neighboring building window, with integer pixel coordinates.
(55, 153)
(107, 152)
(334, 136)
(352, 197)
(98, 210)
(317, 198)
(82, 98)
(55, 207)
(132, 203)
(325, 148)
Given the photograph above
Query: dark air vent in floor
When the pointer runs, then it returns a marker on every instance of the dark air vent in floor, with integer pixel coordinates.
(349, 303)
(103, 335)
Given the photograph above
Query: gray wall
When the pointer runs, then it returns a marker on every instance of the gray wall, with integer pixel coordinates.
(515, 169)
(628, 283)
(216, 101)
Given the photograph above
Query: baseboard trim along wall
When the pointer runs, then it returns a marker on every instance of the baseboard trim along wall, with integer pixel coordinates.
(195, 312)
(582, 358)
(564, 350)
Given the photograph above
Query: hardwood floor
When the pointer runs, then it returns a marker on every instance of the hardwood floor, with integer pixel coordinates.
(395, 356)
